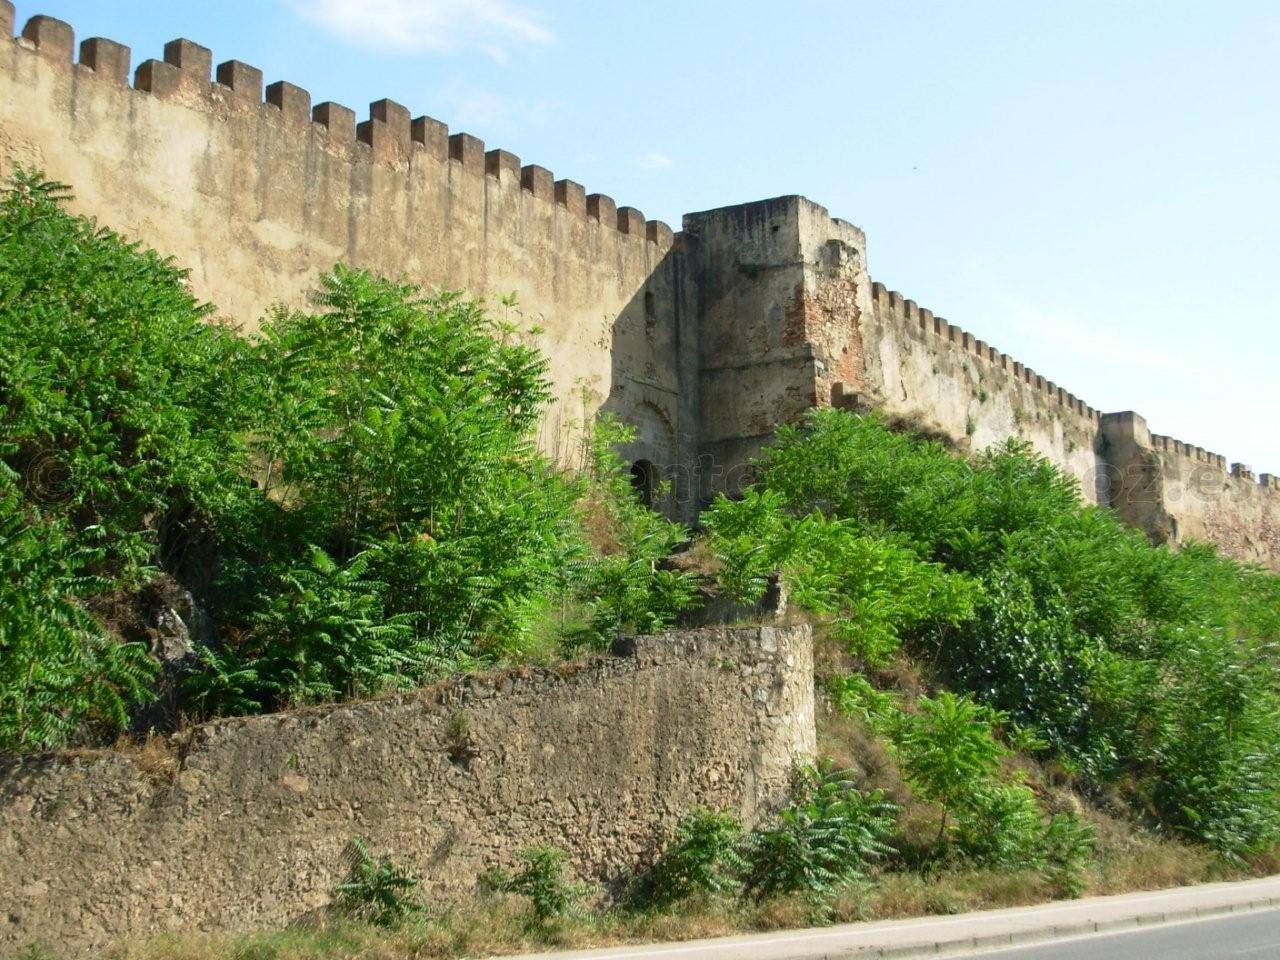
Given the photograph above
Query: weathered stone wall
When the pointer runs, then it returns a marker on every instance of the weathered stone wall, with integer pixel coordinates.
(780, 291)
(928, 371)
(1175, 492)
(789, 319)
(704, 341)
(599, 759)
(258, 197)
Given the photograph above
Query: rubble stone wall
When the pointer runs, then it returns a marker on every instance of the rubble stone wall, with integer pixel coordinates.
(251, 828)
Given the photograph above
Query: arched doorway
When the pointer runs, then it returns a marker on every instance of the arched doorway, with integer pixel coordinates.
(644, 481)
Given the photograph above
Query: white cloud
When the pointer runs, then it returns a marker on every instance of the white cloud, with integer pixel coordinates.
(412, 25)
(496, 115)
(654, 161)
(482, 110)
(1068, 334)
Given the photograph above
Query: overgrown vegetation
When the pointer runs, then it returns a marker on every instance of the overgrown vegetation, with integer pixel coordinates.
(353, 494)
(378, 891)
(541, 879)
(1026, 698)
(1135, 668)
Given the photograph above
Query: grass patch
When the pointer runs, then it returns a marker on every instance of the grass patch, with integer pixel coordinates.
(500, 924)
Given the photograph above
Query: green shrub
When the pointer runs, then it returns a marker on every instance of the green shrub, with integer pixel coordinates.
(999, 824)
(61, 675)
(541, 879)
(1067, 851)
(376, 891)
(118, 425)
(853, 694)
(822, 842)
(409, 421)
(119, 406)
(948, 752)
(704, 859)
(321, 633)
(870, 589)
(1212, 742)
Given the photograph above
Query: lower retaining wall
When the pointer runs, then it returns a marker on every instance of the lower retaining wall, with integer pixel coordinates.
(599, 759)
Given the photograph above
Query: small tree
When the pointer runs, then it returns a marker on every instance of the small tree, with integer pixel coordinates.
(704, 859)
(822, 842)
(948, 750)
(377, 891)
(542, 879)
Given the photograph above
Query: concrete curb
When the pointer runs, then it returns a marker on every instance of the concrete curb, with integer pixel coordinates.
(967, 946)
(965, 934)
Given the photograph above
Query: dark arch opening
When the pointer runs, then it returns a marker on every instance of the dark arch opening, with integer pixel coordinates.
(643, 481)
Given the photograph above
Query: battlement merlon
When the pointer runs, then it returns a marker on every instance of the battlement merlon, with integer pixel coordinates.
(186, 73)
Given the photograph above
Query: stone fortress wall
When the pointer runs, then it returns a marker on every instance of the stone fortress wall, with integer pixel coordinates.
(250, 829)
(704, 340)
(257, 191)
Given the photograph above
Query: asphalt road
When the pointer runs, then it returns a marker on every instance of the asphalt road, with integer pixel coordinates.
(1247, 936)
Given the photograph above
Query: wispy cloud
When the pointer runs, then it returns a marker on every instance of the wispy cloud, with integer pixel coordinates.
(482, 110)
(407, 26)
(1068, 334)
(496, 114)
(654, 161)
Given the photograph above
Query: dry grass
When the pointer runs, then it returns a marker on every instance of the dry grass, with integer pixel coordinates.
(157, 758)
(490, 926)
(599, 527)
(498, 925)
(899, 895)
(1152, 863)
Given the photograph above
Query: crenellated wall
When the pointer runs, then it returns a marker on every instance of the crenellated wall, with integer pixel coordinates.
(929, 371)
(257, 191)
(705, 340)
(1176, 492)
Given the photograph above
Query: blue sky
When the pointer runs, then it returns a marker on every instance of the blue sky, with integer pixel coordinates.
(1092, 187)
